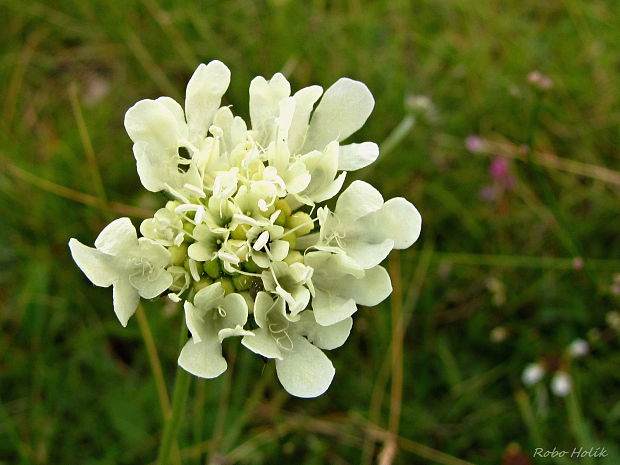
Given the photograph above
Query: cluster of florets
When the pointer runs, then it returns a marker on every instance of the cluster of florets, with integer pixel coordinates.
(244, 242)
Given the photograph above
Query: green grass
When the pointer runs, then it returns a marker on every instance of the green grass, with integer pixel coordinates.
(76, 387)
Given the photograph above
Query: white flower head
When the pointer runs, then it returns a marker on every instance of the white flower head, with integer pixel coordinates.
(246, 244)
(532, 374)
(578, 348)
(561, 384)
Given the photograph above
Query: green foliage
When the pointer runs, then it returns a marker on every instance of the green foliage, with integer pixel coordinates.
(75, 387)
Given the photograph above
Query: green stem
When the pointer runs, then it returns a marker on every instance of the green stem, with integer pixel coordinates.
(179, 400)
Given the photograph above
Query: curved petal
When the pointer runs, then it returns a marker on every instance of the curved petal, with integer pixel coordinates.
(152, 122)
(210, 296)
(330, 308)
(265, 97)
(156, 254)
(262, 343)
(203, 96)
(356, 156)
(97, 266)
(329, 191)
(126, 300)
(304, 102)
(399, 220)
(373, 288)
(153, 166)
(201, 251)
(305, 371)
(195, 324)
(325, 337)
(263, 304)
(367, 254)
(203, 359)
(152, 284)
(344, 108)
(236, 311)
(357, 200)
(119, 237)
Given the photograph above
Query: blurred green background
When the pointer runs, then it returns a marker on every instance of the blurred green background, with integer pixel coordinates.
(519, 254)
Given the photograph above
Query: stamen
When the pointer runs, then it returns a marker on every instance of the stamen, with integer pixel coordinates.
(246, 219)
(228, 257)
(176, 193)
(261, 241)
(288, 297)
(174, 297)
(200, 213)
(195, 189)
(193, 269)
(290, 231)
(288, 346)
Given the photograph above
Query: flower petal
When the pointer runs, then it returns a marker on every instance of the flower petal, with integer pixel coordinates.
(203, 359)
(344, 108)
(236, 311)
(210, 296)
(194, 322)
(368, 255)
(152, 122)
(201, 252)
(356, 156)
(330, 308)
(203, 96)
(97, 266)
(373, 288)
(304, 102)
(357, 200)
(126, 300)
(117, 238)
(150, 285)
(305, 371)
(325, 337)
(399, 220)
(262, 343)
(263, 304)
(265, 97)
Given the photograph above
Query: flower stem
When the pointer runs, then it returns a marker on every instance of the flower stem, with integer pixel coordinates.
(179, 400)
(151, 350)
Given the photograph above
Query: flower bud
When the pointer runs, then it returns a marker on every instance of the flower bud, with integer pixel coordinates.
(281, 219)
(242, 282)
(204, 282)
(239, 233)
(212, 268)
(294, 256)
(177, 254)
(251, 266)
(283, 205)
(227, 285)
(302, 221)
(188, 227)
(289, 237)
